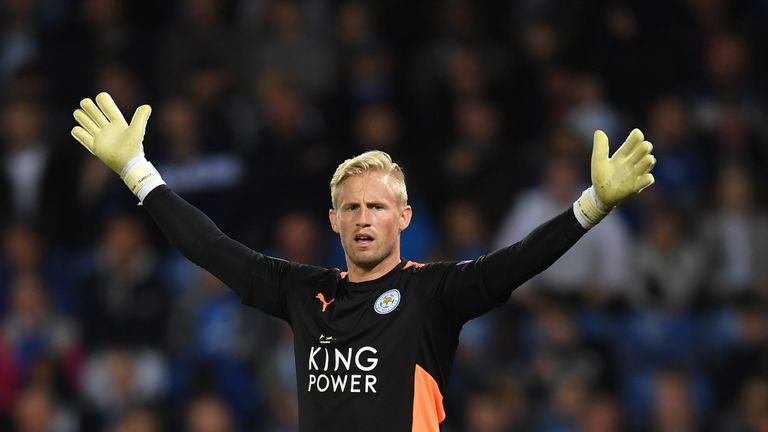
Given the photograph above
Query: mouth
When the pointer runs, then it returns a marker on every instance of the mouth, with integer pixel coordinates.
(363, 240)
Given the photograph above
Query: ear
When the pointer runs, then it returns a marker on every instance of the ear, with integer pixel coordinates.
(332, 219)
(405, 217)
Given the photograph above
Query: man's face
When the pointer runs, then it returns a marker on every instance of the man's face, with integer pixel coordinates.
(369, 219)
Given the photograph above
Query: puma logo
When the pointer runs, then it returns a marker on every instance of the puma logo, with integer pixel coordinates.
(321, 297)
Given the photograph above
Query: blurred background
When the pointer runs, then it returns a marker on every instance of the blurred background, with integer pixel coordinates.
(655, 321)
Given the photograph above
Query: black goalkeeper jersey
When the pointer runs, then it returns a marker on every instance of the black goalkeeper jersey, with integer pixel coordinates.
(375, 355)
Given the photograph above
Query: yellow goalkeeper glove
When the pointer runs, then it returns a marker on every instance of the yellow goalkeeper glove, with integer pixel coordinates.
(615, 178)
(105, 133)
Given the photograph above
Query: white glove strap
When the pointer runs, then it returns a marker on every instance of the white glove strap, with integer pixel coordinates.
(589, 210)
(131, 164)
(141, 177)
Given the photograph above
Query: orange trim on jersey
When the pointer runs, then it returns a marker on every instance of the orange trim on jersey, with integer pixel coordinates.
(413, 264)
(428, 411)
(342, 274)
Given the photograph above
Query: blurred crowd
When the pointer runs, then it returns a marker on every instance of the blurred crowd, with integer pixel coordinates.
(655, 321)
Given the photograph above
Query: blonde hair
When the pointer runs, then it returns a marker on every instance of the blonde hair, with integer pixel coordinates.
(374, 160)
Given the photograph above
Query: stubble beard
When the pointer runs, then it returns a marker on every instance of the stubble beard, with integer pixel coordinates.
(367, 260)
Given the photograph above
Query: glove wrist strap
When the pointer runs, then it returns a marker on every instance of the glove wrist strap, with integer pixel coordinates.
(589, 210)
(132, 163)
(141, 177)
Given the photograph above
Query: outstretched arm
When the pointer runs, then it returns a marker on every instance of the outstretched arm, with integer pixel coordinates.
(614, 179)
(200, 240)
(105, 133)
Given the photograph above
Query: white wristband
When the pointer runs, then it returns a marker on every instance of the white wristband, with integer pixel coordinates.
(141, 177)
(589, 210)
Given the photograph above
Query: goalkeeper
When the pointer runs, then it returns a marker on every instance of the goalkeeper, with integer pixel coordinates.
(373, 344)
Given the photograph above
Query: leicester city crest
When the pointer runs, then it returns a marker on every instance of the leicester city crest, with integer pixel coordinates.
(387, 302)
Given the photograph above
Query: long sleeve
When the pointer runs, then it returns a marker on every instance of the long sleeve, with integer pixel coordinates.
(257, 278)
(509, 267)
(470, 288)
(199, 239)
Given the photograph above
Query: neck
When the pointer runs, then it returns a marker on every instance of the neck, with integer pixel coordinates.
(361, 274)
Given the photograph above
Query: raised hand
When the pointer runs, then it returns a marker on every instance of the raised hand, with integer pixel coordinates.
(615, 178)
(105, 133)
(626, 173)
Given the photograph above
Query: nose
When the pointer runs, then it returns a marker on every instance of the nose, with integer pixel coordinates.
(363, 219)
